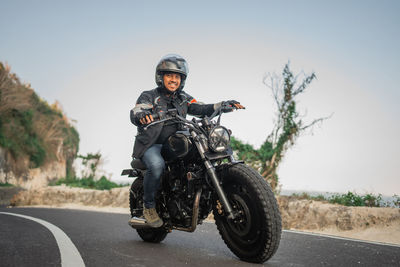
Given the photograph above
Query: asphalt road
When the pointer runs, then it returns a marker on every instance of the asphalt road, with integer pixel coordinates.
(105, 239)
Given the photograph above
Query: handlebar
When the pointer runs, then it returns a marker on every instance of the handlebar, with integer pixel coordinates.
(223, 108)
(156, 116)
(164, 116)
(171, 114)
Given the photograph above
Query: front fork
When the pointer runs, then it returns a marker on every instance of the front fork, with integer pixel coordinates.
(214, 178)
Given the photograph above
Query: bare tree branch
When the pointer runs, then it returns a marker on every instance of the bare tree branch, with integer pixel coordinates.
(319, 120)
(288, 124)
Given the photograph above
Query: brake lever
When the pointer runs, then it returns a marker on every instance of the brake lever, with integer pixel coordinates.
(156, 122)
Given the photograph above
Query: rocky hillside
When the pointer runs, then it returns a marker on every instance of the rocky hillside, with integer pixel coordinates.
(37, 141)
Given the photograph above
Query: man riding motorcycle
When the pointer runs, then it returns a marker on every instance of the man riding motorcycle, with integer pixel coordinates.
(170, 76)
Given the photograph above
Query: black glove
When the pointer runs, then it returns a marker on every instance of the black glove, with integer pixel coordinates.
(141, 115)
(229, 106)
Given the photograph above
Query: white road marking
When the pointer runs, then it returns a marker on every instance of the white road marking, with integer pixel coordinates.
(342, 238)
(70, 256)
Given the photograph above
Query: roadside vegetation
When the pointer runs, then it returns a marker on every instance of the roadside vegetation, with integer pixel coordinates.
(89, 175)
(6, 185)
(353, 199)
(289, 124)
(32, 132)
(88, 182)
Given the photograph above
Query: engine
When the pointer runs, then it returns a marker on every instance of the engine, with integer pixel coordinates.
(181, 187)
(180, 203)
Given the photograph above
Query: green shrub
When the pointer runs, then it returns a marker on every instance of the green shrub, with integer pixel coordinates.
(43, 107)
(18, 136)
(371, 200)
(4, 142)
(349, 199)
(396, 201)
(319, 198)
(35, 150)
(30, 128)
(6, 185)
(88, 182)
(352, 199)
(104, 184)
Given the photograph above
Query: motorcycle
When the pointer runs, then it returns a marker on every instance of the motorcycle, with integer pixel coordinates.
(202, 176)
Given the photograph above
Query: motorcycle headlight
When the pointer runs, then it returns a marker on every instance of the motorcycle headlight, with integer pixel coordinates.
(219, 139)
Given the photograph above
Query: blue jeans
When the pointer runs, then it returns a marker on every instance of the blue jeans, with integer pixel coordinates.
(155, 166)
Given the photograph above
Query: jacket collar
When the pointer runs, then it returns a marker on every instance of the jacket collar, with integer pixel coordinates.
(167, 94)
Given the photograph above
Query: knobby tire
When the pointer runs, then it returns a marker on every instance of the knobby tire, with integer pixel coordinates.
(257, 237)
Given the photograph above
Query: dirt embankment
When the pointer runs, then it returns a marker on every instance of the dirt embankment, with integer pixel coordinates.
(316, 215)
(114, 200)
(374, 224)
(6, 193)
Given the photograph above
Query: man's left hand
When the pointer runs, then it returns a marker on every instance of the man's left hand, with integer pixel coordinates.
(236, 104)
(230, 105)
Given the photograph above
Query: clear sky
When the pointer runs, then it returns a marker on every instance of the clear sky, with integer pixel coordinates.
(95, 57)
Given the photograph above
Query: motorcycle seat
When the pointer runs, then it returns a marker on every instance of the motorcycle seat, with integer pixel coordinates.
(138, 164)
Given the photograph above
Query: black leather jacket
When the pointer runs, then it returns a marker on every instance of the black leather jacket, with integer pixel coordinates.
(158, 100)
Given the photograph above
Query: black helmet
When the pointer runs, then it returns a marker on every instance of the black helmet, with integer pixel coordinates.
(172, 63)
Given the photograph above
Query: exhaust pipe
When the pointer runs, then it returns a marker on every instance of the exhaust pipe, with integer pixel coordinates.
(195, 215)
(140, 223)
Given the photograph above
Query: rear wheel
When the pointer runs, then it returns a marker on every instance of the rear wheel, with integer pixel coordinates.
(255, 233)
(153, 235)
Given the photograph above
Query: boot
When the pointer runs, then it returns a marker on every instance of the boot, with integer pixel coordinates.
(152, 218)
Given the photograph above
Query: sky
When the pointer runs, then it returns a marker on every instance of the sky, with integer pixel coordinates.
(96, 57)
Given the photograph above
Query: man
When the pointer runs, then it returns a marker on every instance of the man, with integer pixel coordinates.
(171, 73)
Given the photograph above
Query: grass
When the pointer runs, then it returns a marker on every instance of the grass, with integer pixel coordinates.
(6, 185)
(88, 182)
(353, 199)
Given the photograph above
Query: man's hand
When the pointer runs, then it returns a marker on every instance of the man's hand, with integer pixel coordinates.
(235, 104)
(228, 106)
(145, 117)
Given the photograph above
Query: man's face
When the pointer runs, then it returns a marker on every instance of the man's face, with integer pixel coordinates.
(172, 81)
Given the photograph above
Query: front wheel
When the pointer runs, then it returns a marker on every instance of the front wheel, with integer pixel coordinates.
(255, 233)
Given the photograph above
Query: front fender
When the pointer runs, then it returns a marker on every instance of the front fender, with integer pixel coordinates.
(218, 155)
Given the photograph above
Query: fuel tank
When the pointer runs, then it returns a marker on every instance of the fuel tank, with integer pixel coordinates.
(177, 146)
